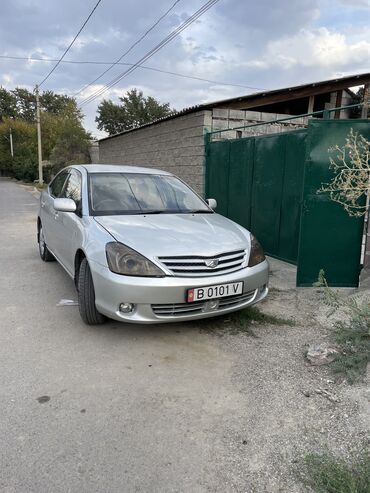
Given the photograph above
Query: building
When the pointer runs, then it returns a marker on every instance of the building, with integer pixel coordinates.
(176, 143)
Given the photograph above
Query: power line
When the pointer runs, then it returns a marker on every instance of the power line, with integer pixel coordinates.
(194, 77)
(145, 67)
(154, 50)
(71, 43)
(130, 48)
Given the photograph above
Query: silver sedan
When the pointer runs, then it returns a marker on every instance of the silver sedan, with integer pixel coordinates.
(143, 247)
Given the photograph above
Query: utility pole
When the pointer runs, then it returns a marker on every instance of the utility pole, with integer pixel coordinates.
(11, 142)
(38, 123)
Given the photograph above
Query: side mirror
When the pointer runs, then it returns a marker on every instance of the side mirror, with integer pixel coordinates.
(212, 203)
(65, 205)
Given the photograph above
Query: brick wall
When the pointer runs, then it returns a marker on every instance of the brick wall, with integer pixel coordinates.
(175, 145)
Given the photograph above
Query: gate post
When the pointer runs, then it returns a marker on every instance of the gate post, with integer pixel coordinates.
(207, 141)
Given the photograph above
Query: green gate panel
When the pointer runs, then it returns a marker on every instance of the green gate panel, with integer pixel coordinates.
(217, 174)
(290, 211)
(267, 191)
(257, 182)
(329, 238)
(240, 181)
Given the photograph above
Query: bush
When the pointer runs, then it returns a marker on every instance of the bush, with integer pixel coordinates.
(352, 333)
(23, 165)
(324, 473)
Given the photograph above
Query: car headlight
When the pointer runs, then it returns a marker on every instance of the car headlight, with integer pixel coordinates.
(123, 260)
(256, 256)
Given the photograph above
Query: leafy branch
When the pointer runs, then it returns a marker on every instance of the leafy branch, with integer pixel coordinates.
(351, 181)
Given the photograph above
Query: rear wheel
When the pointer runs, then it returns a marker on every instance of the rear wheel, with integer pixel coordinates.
(45, 253)
(86, 296)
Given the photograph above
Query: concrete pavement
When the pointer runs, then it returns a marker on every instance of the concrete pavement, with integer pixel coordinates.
(116, 408)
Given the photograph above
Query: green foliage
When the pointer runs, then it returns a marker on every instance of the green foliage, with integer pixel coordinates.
(72, 146)
(24, 164)
(352, 333)
(134, 110)
(8, 104)
(21, 104)
(323, 473)
(64, 140)
(59, 104)
(243, 321)
(358, 98)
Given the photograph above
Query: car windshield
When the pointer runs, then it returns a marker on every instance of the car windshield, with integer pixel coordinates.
(139, 193)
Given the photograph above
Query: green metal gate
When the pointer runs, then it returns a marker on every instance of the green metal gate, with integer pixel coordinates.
(257, 182)
(329, 238)
(269, 185)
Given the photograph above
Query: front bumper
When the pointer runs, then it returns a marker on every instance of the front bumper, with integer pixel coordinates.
(148, 293)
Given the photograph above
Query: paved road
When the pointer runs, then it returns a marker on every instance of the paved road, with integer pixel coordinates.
(117, 408)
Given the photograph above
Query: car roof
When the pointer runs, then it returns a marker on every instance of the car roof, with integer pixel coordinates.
(119, 168)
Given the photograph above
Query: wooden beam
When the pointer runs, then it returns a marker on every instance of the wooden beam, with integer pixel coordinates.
(365, 107)
(338, 104)
(279, 96)
(311, 104)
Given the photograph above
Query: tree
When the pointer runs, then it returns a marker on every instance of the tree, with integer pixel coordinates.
(24, 163)
(359, 98)
(59, 104)
(134, 110)
(64, 140)
(351, 182)
(72, 146)
(21, 103)
(26, 104)
(8, 105)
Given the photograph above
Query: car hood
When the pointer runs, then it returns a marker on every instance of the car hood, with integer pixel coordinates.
(161, 235)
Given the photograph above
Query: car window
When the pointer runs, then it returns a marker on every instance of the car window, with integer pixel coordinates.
(56, 186)
(140, 193)
(72, 189)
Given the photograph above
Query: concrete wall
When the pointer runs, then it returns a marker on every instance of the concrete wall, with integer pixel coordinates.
(94, 152)
(346, 101)
(223, 118)
(175, 145)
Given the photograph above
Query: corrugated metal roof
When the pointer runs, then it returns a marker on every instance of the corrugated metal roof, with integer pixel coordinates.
(352, 81)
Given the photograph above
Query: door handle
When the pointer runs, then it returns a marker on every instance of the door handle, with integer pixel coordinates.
(42, 203)
(56, 215)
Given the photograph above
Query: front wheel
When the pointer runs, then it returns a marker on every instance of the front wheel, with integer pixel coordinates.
(86, 296)
(45, 253)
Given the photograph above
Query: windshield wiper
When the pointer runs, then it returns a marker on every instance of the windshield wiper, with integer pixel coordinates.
(172, 211)
(201, 211)
(154, 211)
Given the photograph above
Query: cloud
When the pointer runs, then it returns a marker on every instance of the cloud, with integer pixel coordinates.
(265, 44)
(318, 48)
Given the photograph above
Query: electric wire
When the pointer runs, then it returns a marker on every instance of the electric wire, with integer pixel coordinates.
(154, 50)
(130, 48)
(177, 74)
(70, 44)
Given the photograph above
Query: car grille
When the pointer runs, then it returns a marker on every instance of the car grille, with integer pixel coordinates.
(181, 309)
(195, 266)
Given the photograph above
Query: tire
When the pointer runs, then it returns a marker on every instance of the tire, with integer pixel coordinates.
(44, 252)
(86, 296)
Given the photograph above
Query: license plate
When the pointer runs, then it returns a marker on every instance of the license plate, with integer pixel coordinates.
(217, 291)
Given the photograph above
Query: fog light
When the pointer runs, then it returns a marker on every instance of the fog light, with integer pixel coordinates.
(210, 305)
(126, 307)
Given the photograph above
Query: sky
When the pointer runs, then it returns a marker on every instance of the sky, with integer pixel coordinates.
(241, 46)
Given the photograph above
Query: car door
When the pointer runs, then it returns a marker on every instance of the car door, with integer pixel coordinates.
(48, 214)
(69, 225)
